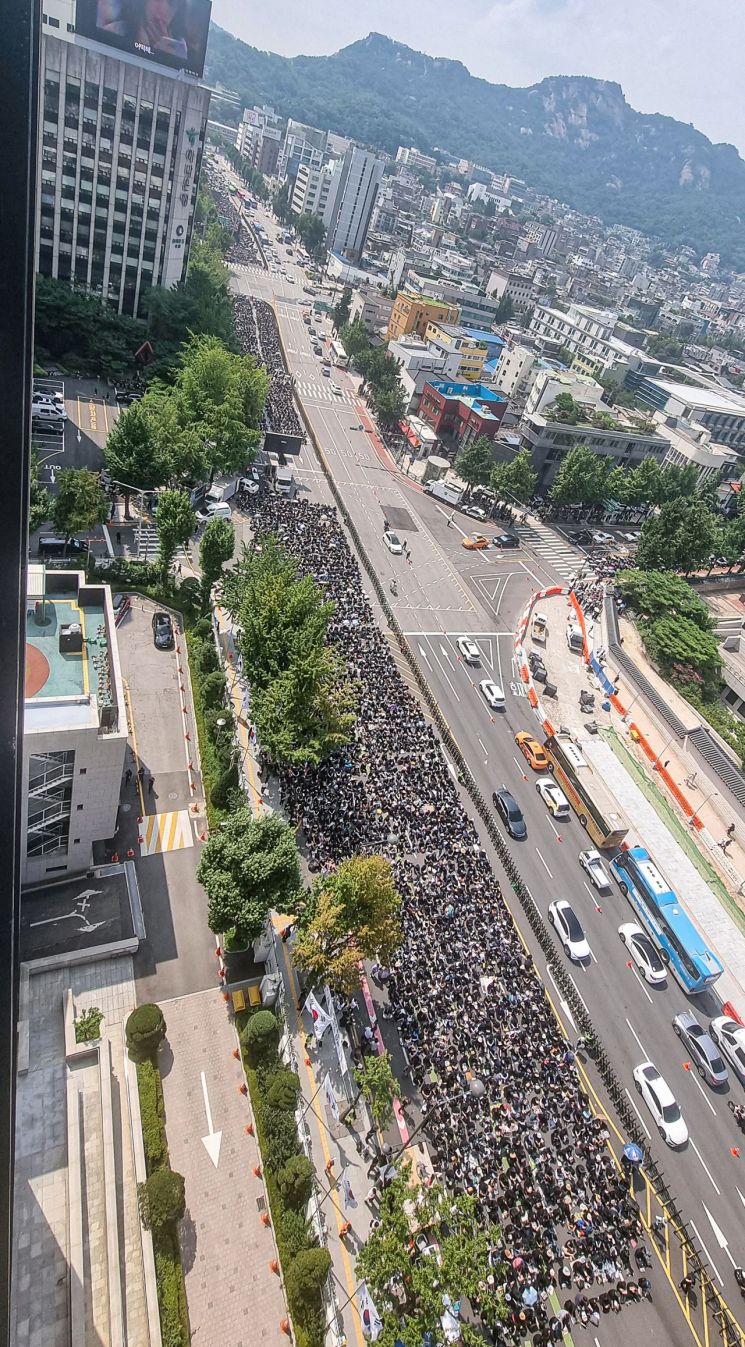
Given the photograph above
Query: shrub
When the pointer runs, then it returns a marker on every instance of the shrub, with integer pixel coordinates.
(151, 1114)
(283, 1091)
(162, 1199)
(306, 1275)
(282, 1141)
(88, 1026)
(295, 1230)
(171, 1298)
(212, 688)
(261, 1035)
(146, 1029)
(202, 629)
(190, 594)
(226, 782)
(206, 657)
(295, 1181)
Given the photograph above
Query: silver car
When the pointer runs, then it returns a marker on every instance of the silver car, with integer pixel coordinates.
(701, 1048)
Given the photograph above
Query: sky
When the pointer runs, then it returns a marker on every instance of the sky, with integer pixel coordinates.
(680, 57)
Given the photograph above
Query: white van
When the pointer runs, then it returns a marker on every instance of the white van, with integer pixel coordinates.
(574, 638)
(214, 509)
(285, 483)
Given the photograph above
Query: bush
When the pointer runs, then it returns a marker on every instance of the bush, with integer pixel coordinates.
(202, 629)
(295, 1181)
(212, 688)
(138, 574)
(88, 1026)
(283, 1091)
(295, 1231)
(261, 1036)
(282, 1142)
(306, 1275)
(190, 595)
(206, 658)
(146, 1029)
(151, 1114)
(227, 781)
(174, 1323)
(162, 1199)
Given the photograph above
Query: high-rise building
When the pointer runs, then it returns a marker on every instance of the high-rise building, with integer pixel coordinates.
(311, 191)
(302, 145)
(259, 139)
(351, 201)
(122, 137)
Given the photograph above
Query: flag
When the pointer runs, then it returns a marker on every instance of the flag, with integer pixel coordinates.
(321, 1020)
(346, 1190)
(330, 1097)
(372, 1324)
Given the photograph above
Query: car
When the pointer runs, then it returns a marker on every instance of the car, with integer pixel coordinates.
(532, 750)
(553, 796)
(54, 400)
(163, 638)
(213, 509)
(469, 650)
(51, 411)
(701, 1048)
(506, 540)
(630, 537)
(662, 1104)
(600, 537)
(580, 537)
(643, 952)
(475, 543)
(506, 805)
(46, 426)
(393, 543)
(474, 512)
(592, 863)
(566, 923)
(335, 389)
(326, 371)
(730, 1037)
(492, 694)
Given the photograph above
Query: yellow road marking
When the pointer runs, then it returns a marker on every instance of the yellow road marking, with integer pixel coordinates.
(133, 732)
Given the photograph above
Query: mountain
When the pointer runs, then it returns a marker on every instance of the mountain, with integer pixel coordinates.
(573, 137)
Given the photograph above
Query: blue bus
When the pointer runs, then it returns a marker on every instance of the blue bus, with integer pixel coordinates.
(680, 945)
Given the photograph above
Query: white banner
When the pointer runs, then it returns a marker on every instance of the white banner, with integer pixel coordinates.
(330, 1097)
(372, 1324)
(346, 1190)
(321, 1020)
(340, 1054)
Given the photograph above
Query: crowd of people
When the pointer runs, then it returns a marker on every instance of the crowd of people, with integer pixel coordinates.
(469, 1006)
(256, 328)
(244, 247)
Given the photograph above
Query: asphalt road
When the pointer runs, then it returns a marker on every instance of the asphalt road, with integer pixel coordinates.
(448, 591)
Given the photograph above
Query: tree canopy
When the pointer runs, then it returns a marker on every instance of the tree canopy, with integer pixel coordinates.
(175, 523)
(475, 463)
(215, 551)
(515, 480)
(133, 454)
(581, 479)
(248, 866)
(312, 231)
(682, 536)
(351, 914)
(79, 503)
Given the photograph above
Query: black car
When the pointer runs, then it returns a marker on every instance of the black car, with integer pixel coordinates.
(506, 805)
(506, 540)
(162, 631)
(580, 537)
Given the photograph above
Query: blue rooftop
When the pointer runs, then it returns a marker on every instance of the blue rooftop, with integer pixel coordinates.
(487, 338)
(479, 392)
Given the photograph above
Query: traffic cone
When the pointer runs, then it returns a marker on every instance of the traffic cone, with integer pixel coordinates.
(257, 1171)
(243, 1088)
(236, 1054)
(274, 1266)
(735, 1150)
(249, 1129)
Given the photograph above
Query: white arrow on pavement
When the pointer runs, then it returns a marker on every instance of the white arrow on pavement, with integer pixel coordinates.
(446, 654)
(720, 1238)
(212, 1140)
(423, 654)
(742, 1199)
(562, 1002)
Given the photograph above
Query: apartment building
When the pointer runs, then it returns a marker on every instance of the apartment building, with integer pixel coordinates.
(121, 150)
(259, 139)
(311, 190)
(587, 333)
(301, 145)
(414, 158)
(351, 200)
(371, 308)
(451, 339)
(411, 314)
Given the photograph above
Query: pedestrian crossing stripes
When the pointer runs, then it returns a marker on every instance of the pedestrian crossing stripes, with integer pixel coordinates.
(148, 543)
(249, 268)
(322, 393)
(544, 542)
(166, 832)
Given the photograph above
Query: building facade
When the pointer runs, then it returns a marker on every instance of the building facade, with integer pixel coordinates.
(550, 441)
(121, 150)
(351, 201)
(451, 339)
(259, 139)
(460, 413)
(371, 308)
(587, 333)
(718, 411)
(311, 190)
(301, 145)
(411, 314)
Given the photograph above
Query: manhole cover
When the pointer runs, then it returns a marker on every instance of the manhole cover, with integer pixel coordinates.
(125, 808)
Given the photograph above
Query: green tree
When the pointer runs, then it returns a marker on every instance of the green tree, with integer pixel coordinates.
(175, 522)
(306, 713)
(514, 480)
(582, 478)
(220, 398)
(678, 481)
(261, 1037)
(201, 304)
(389, 404)
(295, 1182)
(504, 310)
(351, 914)
(247, 867)
(644, 484)
(664, 348)
(79, 331)
(79, 503)
(682, 536)
(133, 454)
(475, 463)
(379, 1087)
(281, 203)
(162, 1199)
(284, 1090)
(215, 551)
(354, 337)
(145, 1031)
(654, 594)
(340, 311)
(312, 231)
(306, 1275)
(40, 502)
(678, 645)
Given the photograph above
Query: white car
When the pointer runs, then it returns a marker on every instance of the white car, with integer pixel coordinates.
(662, 1104)
(643, 952)
(565, 922)
(393, 543)
(730, 1037)
(592, 864)
(600, 537)
(553, 796)
(335, 389)
(630, 537)
(48, 411)
(492, 694)
(468, 649)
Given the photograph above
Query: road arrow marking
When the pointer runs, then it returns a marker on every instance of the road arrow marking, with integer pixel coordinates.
(742, 1199)
(720, 1238)
(562, 1002)
(212, 1140)
(423, 654)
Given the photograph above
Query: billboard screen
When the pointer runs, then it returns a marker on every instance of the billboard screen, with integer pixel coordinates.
(171, 32)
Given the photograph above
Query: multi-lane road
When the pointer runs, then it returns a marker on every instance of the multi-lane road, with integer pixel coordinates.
(445, 592)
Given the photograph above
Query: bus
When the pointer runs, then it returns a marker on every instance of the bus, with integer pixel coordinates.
(681, 947)
(593, 804)
(339, 355)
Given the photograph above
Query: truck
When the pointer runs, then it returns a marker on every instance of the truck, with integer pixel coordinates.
(539, 628)
(441, 491)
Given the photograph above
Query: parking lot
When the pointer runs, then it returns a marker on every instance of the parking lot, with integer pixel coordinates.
(76, 439)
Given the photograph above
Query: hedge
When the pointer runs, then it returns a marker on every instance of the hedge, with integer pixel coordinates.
(215, 746)
(152, 1114)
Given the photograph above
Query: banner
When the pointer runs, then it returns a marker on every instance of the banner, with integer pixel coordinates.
(372, 1324)
(346, 1191)
(321, 1020)
(330, 1097)
(340, 1054)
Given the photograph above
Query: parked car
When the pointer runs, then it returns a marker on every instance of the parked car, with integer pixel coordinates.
(474, 512)
(468, 649)
(567, 925)
(162, 625)
(580, 537)
(492, 694)
(662, 1104)
(532, 750)
(600, 537)
(592, 863)
(701, 1048)
(643, 952)
(553, 796)
(730, 1036)
(507, 807)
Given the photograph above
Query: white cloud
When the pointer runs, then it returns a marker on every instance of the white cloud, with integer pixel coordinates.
(679, 57)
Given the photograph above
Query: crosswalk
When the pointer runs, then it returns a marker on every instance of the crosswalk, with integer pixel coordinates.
(149, 544)
(166, 832)
(249, 268)
(542, 540)
(311, 392)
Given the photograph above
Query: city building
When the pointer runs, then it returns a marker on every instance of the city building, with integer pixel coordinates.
(460, 413)
(415, 159)
(512, 285)
(371, 308)
(419, 364)
(311, 190)
(121, 150)
(691, 444)
(549, 383)
(259, 139)
(624, 437)
(75, 723)
(475, 308)
(720, 412)
(412, 312)
(587, 333)
(351, 200)
(302, 145)
(450, 338)
(494, 344)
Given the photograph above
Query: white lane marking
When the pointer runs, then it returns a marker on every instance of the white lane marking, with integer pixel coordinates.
(423, 654)
(638, 1114)
(705, 1167)
(694, 1077)
(739, 1194)
(640, 981)
(499, 661)
(518, 765)
(552, 825)
(647, 1057)
(564, 1005)
(446, 653)
(445, 675)
(706, 1251)
(483, 745)
(719, 1235)
(543, 863)
(581, 997)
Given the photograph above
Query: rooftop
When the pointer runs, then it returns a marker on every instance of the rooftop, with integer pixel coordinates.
(487, 337)
(51, 672)
(705, 398)
(72, 665)
(462, 391)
